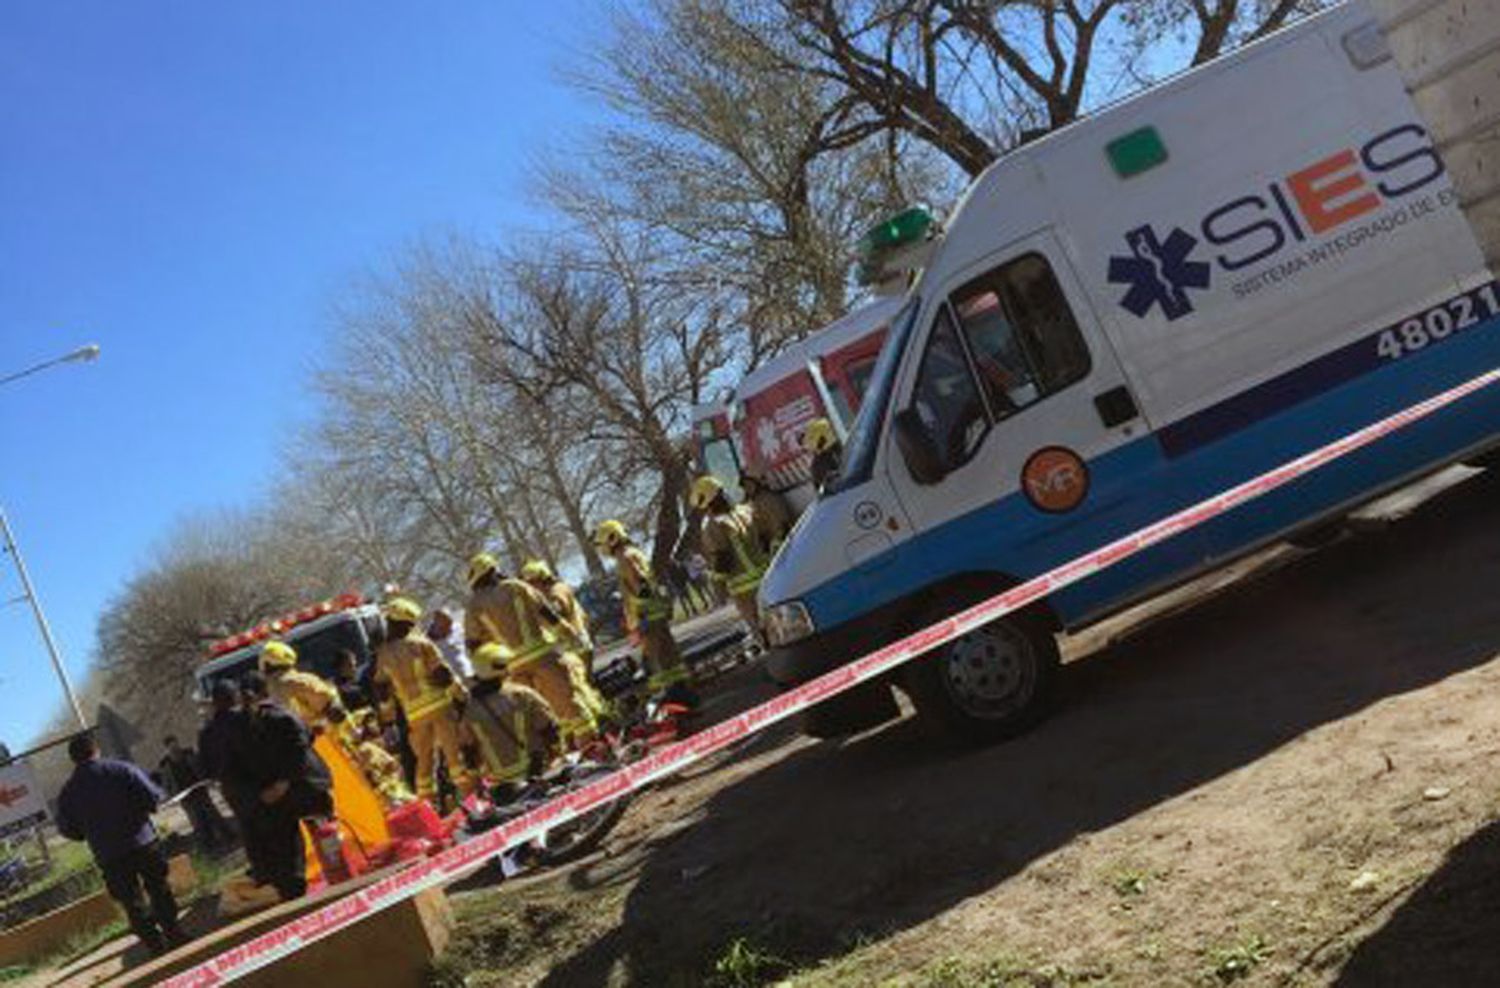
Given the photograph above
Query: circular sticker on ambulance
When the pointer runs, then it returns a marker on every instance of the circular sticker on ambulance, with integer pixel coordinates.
(1055, 479)
(867, 514)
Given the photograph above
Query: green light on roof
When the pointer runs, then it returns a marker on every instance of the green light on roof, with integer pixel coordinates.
(905, 227)
(1138, 151)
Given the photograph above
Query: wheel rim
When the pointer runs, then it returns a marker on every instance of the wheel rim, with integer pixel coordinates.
(991, 672)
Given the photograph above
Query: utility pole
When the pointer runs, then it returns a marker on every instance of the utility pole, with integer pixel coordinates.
(41, 621)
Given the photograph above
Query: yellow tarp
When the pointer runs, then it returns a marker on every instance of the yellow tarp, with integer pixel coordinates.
(355, 802)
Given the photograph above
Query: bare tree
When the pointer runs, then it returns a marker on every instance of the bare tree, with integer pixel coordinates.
(737, 164)
(973, 78)
(216, 575)
(589, 325)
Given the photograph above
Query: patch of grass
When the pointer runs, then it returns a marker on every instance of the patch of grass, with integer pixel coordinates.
(1237, 960)
(69, 858)
(743, 964)
(1128, 882)
(210, 873)
(1007, 972)
(15, 972)
(78, 945)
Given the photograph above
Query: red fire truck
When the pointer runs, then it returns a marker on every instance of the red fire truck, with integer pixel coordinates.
(318, 632)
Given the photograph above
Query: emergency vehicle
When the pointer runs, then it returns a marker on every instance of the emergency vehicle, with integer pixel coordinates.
(319, 633)
(758, 428)
(1139, 311)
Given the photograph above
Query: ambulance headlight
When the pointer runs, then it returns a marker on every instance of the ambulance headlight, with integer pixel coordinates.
(787, 623)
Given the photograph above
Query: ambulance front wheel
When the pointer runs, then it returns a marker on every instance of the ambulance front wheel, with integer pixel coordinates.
(994, 683)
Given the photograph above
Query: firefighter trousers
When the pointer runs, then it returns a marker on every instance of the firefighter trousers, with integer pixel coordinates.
(549, 676)
(433, 733)
(585, 694)
(663, 660)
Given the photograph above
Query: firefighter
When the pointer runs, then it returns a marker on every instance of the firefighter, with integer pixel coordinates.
(579, 660)
(313, 699)
(412, 670)
(648, 611)
(512, 726)
(316, 703)
(382, 768)
(516, 616)
(771, 515)
(827, 450)
(564, 601)
(735, 554)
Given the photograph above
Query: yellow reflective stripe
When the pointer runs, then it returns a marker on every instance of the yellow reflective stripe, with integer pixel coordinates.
(520, 660)
(425, 706)
(652, 608)
(744, 584)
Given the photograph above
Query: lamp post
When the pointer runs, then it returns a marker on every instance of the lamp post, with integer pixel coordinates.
(83, 354)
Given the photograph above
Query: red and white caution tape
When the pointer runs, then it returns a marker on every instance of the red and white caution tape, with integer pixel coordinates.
(455, 863)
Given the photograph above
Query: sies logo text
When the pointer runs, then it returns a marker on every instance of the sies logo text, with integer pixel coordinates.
(1322, 211)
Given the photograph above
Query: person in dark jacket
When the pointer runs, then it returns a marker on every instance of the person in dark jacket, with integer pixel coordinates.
(224, 730)
(181, 773)
(352, 692)
(109, 804)
(290, 781)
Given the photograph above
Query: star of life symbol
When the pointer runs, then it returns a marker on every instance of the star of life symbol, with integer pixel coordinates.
(1159, 272)
(768, 438)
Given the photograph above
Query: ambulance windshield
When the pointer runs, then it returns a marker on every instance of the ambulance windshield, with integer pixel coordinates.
(864, 434)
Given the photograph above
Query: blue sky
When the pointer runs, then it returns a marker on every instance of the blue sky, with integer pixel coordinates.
(192, 186)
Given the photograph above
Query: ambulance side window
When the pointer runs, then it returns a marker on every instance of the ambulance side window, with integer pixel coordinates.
(946, 397)
(1025, 341)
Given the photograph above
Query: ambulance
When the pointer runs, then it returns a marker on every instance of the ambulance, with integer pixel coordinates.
(758, 427)
(1139, 311)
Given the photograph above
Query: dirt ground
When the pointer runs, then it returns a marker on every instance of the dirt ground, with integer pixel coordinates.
(1290, 783)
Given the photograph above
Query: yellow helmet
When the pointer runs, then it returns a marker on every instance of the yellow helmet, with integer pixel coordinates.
(482, 565)
(277, 655)
(819, 436)
(537, 570)
(402, 609)
(705, 489)
(610, 535)
(488, 660)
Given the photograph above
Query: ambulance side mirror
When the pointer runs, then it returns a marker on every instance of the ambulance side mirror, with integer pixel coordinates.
(917, 447)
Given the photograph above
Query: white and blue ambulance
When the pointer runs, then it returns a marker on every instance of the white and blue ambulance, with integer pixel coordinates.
(1124, 318)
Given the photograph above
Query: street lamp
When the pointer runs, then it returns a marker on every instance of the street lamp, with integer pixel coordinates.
(83, 355)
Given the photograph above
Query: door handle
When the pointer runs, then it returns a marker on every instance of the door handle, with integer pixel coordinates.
(1116, 407)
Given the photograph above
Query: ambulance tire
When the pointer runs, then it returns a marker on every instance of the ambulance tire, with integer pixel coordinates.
(995, 683)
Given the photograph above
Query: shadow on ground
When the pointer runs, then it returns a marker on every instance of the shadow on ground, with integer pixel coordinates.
(833, 843)
(1446, 933)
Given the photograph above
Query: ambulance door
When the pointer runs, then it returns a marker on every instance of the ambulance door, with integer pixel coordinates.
(1014, 393)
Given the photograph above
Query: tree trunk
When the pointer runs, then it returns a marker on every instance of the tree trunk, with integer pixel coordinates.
(513, 545)
(669, 511)
(578, 527)
(541, 542)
